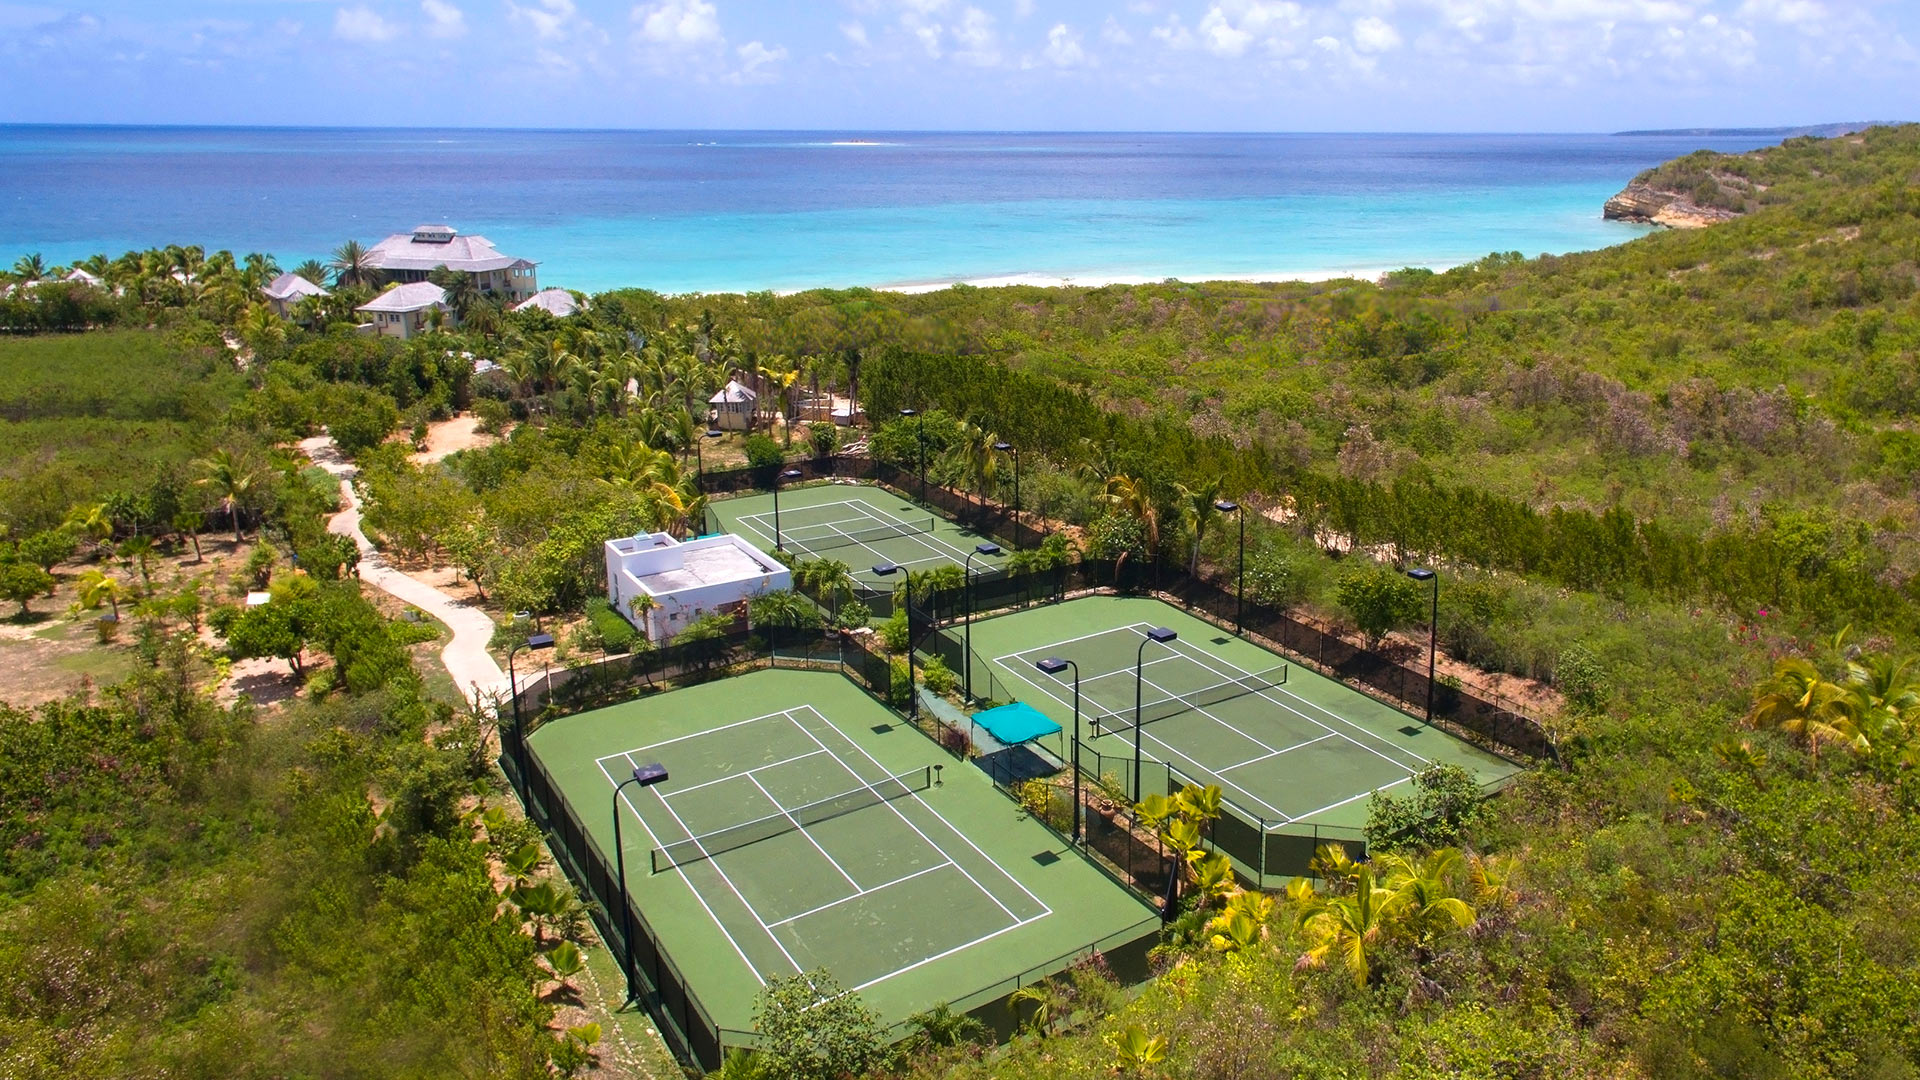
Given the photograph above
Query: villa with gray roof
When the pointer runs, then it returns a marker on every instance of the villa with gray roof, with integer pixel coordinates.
(285, 292)
(409, 257)
(406, 310)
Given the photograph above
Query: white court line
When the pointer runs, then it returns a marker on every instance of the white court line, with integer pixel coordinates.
(628, 754)
(802, 830)
(1275, 754)
(957, 948)
(1356, 798)
(654, 840)
(749, 773)
(718, 869)
(937, 814)
(1202, 660)
(862, 892)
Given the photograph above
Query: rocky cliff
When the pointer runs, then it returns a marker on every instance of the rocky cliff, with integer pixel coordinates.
(1648, 205)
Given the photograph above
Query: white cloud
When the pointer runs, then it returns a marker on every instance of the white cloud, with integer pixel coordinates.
(1063, 47)
(1114, 34)
(756, 62)
(1174, 33)
(1375, 35)
(551, 20)
(443, 19)
(679, 24)
(1784, 11)
(855, 32)
(974, 39)
(363, 24)
(1229, 27)
(1022, 8)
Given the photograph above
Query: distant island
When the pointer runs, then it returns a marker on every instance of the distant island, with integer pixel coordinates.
(1824, 131)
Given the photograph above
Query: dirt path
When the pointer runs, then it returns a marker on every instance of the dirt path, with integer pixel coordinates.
(466, 658)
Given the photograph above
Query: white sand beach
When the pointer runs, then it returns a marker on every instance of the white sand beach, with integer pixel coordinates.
(1094, 281)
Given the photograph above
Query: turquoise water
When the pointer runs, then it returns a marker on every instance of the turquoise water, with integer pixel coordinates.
(714, 211)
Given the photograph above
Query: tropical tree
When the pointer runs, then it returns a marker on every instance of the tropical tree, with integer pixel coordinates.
(1199, 511)
(20, 582)
(230, 480)
(975, 457)
(97, 588)
(353, 265)
(313, 270)
(1134, 1050)
(1884, 698)
(262, 329)
(1423, 897)
(1801, 702)
(462, 291)
(30, 268)
(90, 520)
(138, 550)
(1130, 496)
(1350, 928)
(940, 1026)
(188, 523)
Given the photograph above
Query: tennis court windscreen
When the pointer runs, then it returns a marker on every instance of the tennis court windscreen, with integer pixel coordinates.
(1115, 723)
(734, 837)
(828, 537)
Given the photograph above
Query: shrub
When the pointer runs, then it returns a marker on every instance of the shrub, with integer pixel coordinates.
(824, 438)
(1273, 579)
(610, 632)
(1445, 806)
(938, 676)
(1379, 600)
(895, 632)
(763, 453)
(1579, 675)
(852, 615)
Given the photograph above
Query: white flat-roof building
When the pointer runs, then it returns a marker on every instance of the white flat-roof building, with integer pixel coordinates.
(410, 257)
(686, 579)
(403, 310)
(558, 303)
(285, 292)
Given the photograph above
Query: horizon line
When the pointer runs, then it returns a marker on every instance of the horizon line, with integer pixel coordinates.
(1626, 133)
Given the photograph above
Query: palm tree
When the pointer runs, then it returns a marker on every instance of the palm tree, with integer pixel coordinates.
(97, 588)
(1883, 696)
(1352, 927)
(1800, 701)
(262, 330)
(462, 292)
(313, 270)
(940, 1026)
(230, 480)
(1130, 496)
(91, 521)
(30, 268)
(260, 269)
(1048, 1000)
(1423, 897)
(138, 549)
(353, 265)
(1197, 509)
(976, 457)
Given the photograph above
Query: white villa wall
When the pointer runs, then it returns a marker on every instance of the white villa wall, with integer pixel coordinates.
(678, 603)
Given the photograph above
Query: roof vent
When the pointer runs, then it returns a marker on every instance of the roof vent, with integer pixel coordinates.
(433, 234)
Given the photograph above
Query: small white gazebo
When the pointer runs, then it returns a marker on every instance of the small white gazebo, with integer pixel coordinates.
(558, 303)
(733, 406)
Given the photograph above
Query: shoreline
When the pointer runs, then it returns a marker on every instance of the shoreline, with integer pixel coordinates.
(1099, 280)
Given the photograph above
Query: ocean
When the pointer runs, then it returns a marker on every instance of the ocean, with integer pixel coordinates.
(685, 211)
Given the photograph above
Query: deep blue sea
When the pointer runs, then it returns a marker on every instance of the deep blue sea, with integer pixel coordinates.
(684, 211)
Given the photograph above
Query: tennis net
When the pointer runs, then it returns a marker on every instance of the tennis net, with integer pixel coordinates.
(1117, 723)
(836, 537)
(734, 837)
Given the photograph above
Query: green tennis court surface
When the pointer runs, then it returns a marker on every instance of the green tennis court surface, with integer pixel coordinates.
(859, 524)
(804, 826)
(1289, 747)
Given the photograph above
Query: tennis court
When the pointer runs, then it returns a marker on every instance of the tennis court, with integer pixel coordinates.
(803, 826)
(1288, 747)
(859, 524)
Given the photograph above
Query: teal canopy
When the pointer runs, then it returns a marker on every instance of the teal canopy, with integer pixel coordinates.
(1016, 723)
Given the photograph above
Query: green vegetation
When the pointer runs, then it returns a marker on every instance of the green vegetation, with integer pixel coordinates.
(1660, 478)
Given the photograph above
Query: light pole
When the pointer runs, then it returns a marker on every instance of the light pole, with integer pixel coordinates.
(920, 435)
(913, 698)
(1009, 448)
(645, 776)
(1421, 573)
(1228, 506)
(1165, 637)
(1053, 665)
(790, 474)
(967, 567)
(536, 642)
(699, 457)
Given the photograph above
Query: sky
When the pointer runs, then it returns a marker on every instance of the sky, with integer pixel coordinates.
(1115, 65)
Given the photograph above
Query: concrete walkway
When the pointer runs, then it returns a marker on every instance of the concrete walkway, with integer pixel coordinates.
(466, 656)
